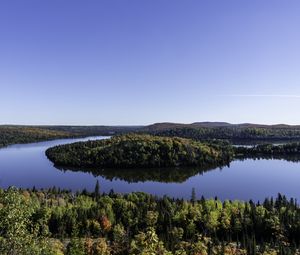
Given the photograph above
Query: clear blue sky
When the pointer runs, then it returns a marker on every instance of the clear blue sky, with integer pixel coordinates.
(144, 61)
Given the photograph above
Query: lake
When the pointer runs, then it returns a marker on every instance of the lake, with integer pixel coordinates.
(26, 166)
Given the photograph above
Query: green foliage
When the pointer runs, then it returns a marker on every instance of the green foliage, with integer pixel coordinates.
(139, 151)
(289, 151)
(97, 190)
(147, 244)
(233, 133)
(18, 234)
(28, 134)
(33, 222)
(21, 134)
(75, 247)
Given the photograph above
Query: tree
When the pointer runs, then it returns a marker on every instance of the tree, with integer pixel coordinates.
(101, 247)
(18, 234)
(147, 244)
(76, 247)
(97, 191)
(193, 196)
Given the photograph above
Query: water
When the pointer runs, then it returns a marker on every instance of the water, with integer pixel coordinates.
(26, 166)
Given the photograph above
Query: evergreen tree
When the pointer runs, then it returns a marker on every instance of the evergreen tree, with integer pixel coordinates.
(193, 196)
(97, 191)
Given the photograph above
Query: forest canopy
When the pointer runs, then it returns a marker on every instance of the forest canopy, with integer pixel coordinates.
(54, 222)
(130, 151)
(233, 133)
(13, 134)
(200, 131)
(289, 151)
(21, 134)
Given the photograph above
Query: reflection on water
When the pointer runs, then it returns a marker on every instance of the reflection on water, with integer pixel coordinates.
(26, 166)
(290, 158)
(254, 142)
(166, 175)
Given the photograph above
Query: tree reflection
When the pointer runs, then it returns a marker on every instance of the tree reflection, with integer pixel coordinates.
(166, 175)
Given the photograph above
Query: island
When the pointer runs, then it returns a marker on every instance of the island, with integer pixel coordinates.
(137, 150)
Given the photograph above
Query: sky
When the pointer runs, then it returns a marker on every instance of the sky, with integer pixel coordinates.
(133, 62)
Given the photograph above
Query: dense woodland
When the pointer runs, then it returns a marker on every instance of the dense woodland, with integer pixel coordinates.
(130, 151)
(288, 151)
(53, 222)
(95, 130)
(243, 133)
(17, 134)
(234, 133)
(27, 134)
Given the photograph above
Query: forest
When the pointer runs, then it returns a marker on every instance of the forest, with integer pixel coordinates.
(21, 134)
(233, 133)
(131, 151)
(13, 134)
(57, 222)
(289, 151)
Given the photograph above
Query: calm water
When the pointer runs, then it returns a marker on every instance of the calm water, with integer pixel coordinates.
(27, 166)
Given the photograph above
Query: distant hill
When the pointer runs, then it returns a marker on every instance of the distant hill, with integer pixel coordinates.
(207, 124)
(242, 125)
(163, 126)
(211, 124)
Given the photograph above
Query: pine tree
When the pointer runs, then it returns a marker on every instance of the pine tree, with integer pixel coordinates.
(97, 190)
(193, 197)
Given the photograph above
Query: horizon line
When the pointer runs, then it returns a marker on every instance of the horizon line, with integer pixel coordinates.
(152, 123)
